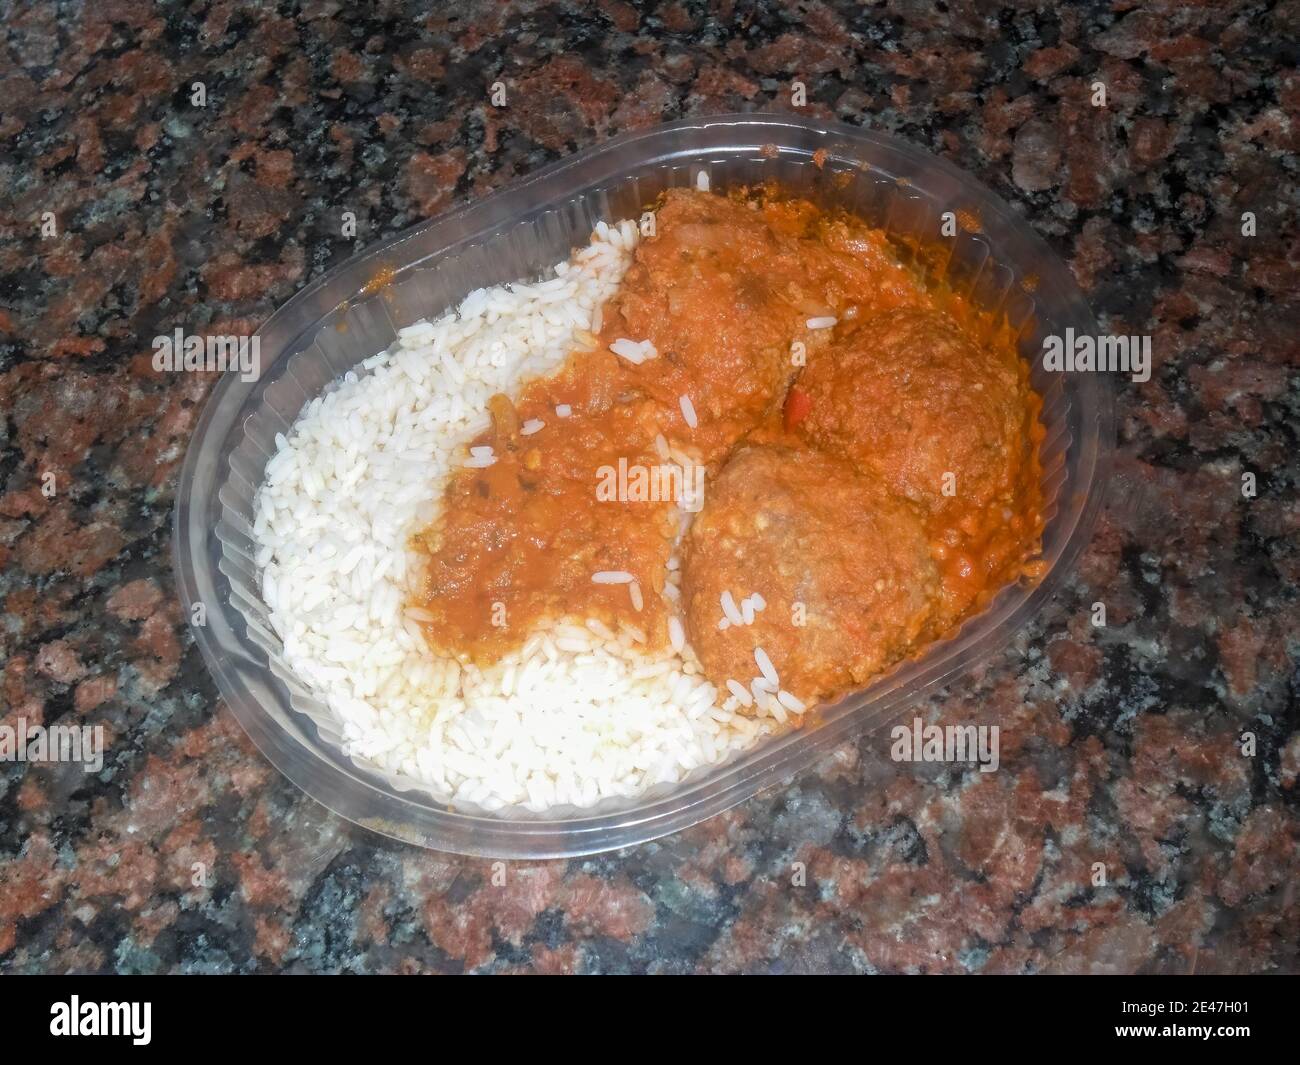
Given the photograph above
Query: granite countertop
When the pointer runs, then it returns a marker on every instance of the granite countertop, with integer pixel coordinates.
(1121, 745)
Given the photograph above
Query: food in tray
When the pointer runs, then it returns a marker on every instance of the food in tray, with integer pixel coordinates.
(583, 535)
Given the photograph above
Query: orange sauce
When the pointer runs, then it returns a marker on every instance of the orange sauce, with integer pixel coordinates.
(724, 291)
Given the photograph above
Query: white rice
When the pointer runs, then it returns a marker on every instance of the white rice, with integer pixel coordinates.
(611, 576)
(578, 713)
(728, 603)
(740, 692)
(634, 351)
(790, 702)
(688, 411)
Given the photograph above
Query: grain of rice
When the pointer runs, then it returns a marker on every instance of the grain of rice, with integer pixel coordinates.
(676, 635)
(729, 609)
(601, 629)
(823, 322)
(631, 350)
(740, 692)
(688, 411)
(634, 590)
(611, 576)
(563, 410)
(765, 666)
(791, 702)
(531, 426)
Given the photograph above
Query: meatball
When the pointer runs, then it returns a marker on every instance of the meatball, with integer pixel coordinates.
(843, 569)
(908, 398)
(711, 292)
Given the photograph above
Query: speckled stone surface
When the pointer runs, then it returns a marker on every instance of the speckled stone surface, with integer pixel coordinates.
(1120, 745)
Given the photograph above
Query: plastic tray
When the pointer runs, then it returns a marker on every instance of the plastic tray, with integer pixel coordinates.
(338, 321)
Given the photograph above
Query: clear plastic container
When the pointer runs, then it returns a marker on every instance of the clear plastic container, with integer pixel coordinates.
(338, 321)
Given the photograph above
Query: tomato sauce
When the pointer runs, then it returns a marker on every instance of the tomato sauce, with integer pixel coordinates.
(725, 292)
